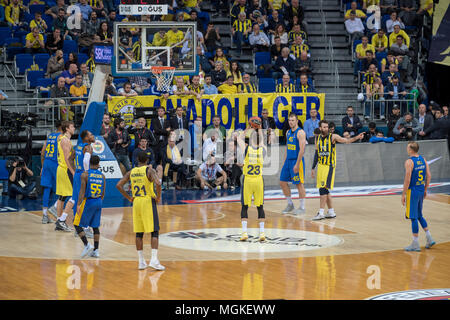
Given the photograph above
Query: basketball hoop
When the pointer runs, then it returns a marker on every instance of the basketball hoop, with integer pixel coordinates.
(163, 77)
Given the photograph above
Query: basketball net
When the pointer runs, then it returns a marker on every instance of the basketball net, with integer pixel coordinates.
(163, 77)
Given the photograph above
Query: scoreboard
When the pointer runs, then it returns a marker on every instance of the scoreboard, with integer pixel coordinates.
(144, 7)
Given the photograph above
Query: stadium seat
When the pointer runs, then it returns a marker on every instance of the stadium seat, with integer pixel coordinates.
(348, 6)
(41, 59)
(82, 58)
(11, 52)
(28, 17)
(70, 46)
(20, 34)
(36, 8)
(266, 85)
(147, 92)
(384, 18)
(5, 33)
(22, 62)
(48, 20)
(262, 58)
(8, 41)
(380, 56)
(32, 77)
(44, 82)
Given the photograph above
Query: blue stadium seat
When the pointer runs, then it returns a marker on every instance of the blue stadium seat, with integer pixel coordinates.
(44, 82)
(36, 8)
(48, 20)
(41, 59)
(380, 56)
(355, 43)
(28, 17)
(384, 18)
(65, 56)
(82, 58)
(266, 85)
(22, 62)
(147, 92)
(20, 34)
(32, 77)
(70, 46)
(8, 41)
(5, 33)
(11, 52)
(262, 58)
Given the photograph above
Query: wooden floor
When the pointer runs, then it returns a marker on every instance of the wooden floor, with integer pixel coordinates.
(38, 263)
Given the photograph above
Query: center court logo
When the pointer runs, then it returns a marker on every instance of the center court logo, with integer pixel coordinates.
(227, 240)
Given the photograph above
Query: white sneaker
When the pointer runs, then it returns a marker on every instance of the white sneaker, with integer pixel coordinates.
(156, 265)
(329, 215)
(87, 250)
(52, 211)
(289, 208)
(88, 233)
(142, 265)
(319, 217)
(95, 253)
(299, 211)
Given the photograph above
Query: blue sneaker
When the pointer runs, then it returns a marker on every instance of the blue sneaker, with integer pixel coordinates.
(430, 243)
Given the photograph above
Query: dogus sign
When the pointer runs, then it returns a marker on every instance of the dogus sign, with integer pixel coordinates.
(140, 9)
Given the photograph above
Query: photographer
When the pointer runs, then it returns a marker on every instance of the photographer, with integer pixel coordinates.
(20, 185)
(119, 140)
(407, 127)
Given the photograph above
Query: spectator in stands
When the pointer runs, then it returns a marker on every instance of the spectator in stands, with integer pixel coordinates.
(393, 117)
(60, 90)
(106, 126)
(34, 42)
(220, 56)
(209, 87)
(126, 91)
(380, 138)
(195, 88)
(140, 131)
(295, 32)
(142, 146)
(174, 162)
(85, 9)
(228, 87)
(372, 132)
(20, 182)
(256, 10)
(60, 22)
(395, 90)
(299, 47)
(354, 27)
(222, 133)
(303, 65)
(233, 164)
(203, 60)
(311, 124)
(92, 25)
(110, 89)
(280, 32)
(285, 86)
(104, 32)
(209, 146)
(258, 39)
(235, 72)
(139, 84)
(268, 123)
(375, 95)
(425, 121)
(275, 49)
(69, 75)
(358, 13)
(426, 8)
(274, 21)
(179, 88)
(445, 111)
(78, 90)
(218, 75)
(39, 23)
(111, 18)
(120, 140)
(390, 59)
(400, 50)
(87, 76)
(54, 11)
(15, 15)
(351, 122)
(211, 37)
(370, 59)
(179, 122)
(247, 86)
(54, 41)
(388, 6)
(77, 29)
(55, 65)
(303, 86)
(98, 7)
(361, 50)
(207, 175)
(408, 11)
(284, 65)
(439, 129)
(387, 76)
(295, 9)
(72, 58)
(380, 41)
(240, 30)
(407, 127)
(398, 32)
(161, 128)
(238, 7)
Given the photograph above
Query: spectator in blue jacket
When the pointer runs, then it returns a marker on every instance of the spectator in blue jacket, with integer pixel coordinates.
(310, 124)
(381, 138)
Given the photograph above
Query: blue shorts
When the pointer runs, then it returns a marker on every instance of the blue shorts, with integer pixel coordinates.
(414, 204)
(287, 172)
(48, 177)
(90, 213)
(76, 189)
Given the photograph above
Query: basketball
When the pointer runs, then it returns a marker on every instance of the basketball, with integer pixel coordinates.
(255, 122)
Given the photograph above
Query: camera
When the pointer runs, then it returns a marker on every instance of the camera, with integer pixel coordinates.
(17, 121)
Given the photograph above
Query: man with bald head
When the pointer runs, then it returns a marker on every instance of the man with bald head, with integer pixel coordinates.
(425, 120)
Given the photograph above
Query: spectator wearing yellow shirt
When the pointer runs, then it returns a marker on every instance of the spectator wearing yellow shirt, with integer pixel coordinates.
(160, 39)
(368, 3)
(228, 87)
(296, 31)
(240, 30)
(398, 32)
(390, 59)
(235, 72)
(34, 42)
(78, 90)
(39, 23)
(380, 41)
(246, 86)
(426, 6)
(361, 54)
(285, 86)
(15, 14)
(175, 36)
(359, 13)
(298, 47)
(220, 56)
(191, 3)
(277, 4)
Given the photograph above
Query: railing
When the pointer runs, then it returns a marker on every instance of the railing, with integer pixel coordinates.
(13, 83)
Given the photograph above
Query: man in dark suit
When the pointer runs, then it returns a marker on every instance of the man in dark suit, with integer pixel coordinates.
(425, 120)
(395, 90)
(140, 131)
(440, 127)
(269, 124)
(180, 122)
(284, 64)
(351, 122)
(161, 128)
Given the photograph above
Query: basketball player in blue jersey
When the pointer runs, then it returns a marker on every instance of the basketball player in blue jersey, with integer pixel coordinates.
(293, 169)
(49, 163)
(417, 180)
(89, 206)
(83, 153)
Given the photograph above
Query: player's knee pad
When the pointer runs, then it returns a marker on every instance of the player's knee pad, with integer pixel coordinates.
(62, 198)
(139, 235)
(244, 214)
(155, 234)
(96, 230)
(79, 229)
(323, 191)
(261, 214)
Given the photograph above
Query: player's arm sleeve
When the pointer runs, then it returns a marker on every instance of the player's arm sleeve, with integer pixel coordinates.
(316, 159)
(86, 159)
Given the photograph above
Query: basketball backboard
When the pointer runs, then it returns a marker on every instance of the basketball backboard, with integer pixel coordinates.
(140, 45)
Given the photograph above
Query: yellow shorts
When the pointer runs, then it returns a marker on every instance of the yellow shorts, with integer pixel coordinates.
(252, 187)
(145, 215)
(64, 180)
(325, 176)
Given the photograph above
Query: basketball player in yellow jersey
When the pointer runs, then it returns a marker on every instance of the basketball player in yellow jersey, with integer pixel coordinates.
(64, 174)
(325, 155)
(253, 183)
(145, 214)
